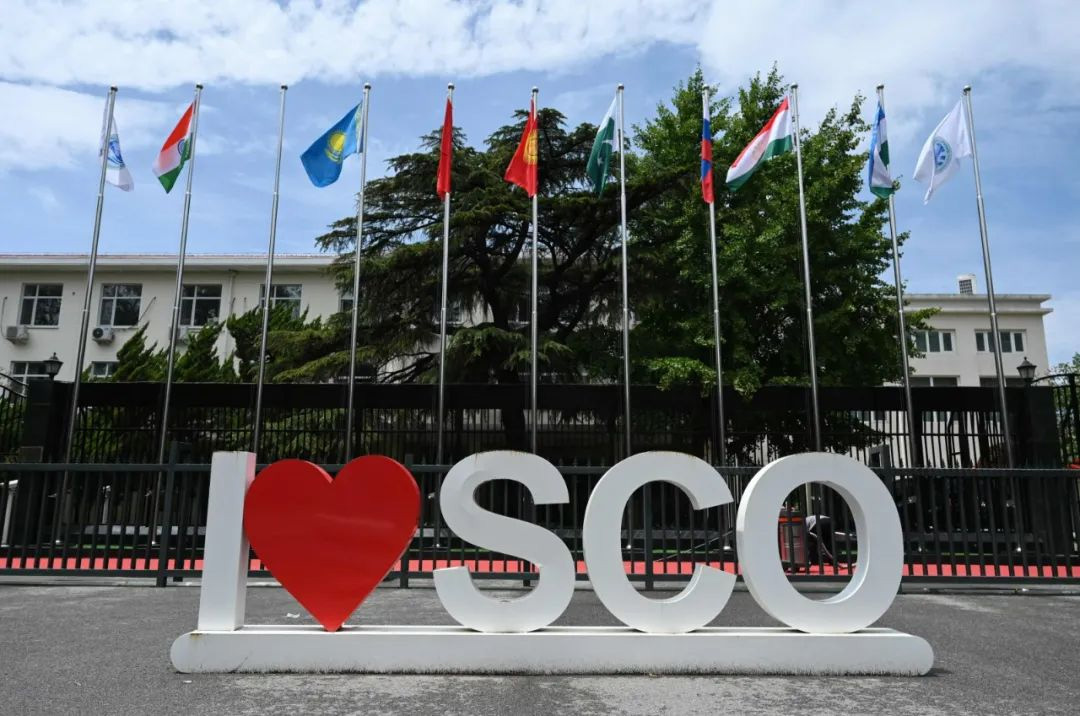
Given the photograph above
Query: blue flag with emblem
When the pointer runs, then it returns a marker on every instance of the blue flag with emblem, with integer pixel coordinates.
(322, 160)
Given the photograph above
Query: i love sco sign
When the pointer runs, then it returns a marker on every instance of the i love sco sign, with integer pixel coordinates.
(360, 523)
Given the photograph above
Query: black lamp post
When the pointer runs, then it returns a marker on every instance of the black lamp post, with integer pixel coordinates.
(52, 366)
(1026, 371)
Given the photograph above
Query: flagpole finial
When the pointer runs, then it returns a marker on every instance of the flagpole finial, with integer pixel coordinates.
(450, 86)
(620, 86)
(367, 85)
(284, 87)
(112, 88)
(535, 89)
(881, 87)
(967, 89)
(794, 85)
(198, 86)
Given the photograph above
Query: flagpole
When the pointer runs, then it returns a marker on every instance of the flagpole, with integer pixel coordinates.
(442, 307)
(806, 273)
(722, 434)
(356, 279)
(179, 286)
(267, 281)
(110, 102)
(913, 451)
(995, 339)
(625, 280)
(535, 289)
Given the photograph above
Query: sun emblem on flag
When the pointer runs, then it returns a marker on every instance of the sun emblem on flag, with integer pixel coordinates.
(942, 154)
(531, 152)
(335, 146)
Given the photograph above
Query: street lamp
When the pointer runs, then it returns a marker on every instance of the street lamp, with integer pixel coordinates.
(1026, 370)
(52, 366)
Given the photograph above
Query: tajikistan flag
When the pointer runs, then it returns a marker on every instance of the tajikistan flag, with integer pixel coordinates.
(175, 152)
(881, 183)
(599, 164)
(774, 139)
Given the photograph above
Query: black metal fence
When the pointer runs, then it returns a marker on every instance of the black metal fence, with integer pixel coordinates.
(12, 416)
(1065, 391)
(577, 424)
(143, 520)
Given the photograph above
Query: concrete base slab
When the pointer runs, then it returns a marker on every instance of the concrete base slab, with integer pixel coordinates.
(555, 650)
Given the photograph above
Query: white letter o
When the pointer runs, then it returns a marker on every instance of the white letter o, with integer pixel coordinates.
(880, 543)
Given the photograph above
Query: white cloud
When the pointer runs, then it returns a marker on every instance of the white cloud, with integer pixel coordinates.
(45, 196)
(46, 127)
(158, 44)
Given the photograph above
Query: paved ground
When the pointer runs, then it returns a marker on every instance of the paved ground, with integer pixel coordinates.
(104, 649)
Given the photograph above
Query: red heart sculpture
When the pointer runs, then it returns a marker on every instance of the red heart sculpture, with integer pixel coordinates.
(330, 541)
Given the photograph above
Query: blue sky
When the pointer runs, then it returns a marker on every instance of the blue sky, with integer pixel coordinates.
(1022, 60)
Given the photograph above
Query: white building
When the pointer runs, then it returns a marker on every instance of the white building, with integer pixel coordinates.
(41, 299)
(957, 348)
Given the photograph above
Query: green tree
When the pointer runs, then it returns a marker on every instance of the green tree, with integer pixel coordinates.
(137, 361)
(1072, 366)
(762, 302)
(246, 331)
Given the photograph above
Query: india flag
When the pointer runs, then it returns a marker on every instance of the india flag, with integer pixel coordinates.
(774, 139)
(175, 152)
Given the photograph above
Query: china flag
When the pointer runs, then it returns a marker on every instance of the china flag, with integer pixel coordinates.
(522, 169)
(446, 152)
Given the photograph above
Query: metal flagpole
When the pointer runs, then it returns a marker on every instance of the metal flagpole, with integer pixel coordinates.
(535, 251)
(442, 308)
(716, 315)
(356, 278)
(625, 282)
(995, 339)
(110, 102)
(806, 273)
(179, 286)
(913, 451)
(267, 281)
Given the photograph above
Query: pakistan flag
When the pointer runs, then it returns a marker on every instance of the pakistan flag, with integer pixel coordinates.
(600, 156)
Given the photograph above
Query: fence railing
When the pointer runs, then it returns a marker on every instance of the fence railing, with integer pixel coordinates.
(576, 424)
(12, 416)
(149, 520)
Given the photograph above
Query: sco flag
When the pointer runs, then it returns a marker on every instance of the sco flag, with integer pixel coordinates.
(322, 160)
(878, 175)
(175, 152)
(773, 140)
(940, 156)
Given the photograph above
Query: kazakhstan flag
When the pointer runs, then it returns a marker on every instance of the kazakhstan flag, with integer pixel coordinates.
(323, 159)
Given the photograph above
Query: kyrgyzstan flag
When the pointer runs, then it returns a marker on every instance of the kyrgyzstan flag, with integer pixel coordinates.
(446, 152)
(522, 169)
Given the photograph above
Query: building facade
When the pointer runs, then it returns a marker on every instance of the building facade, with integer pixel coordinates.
(957, 349)
(41, 301)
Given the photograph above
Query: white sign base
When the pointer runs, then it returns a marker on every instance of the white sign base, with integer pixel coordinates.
(554, 650)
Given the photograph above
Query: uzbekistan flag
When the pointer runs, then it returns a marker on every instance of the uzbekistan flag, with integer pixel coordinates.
(774, 139)
(706, 154)
(175, 152)
(522, 169)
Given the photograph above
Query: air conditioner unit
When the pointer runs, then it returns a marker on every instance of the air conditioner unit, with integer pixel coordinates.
(17, 334)
(103, 334)
(185, 333)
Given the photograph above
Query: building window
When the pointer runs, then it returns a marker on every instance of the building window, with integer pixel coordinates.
(933, 381)
(120, 303)
(345, 301)
(285, 294)
(41, 304)
(101, 369)
(990, 381)
(200, 304)
(934, 341)
(1011, 342)
(24, 370)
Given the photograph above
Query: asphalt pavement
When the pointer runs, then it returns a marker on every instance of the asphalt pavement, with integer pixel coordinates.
(90, 648)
